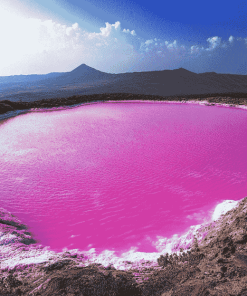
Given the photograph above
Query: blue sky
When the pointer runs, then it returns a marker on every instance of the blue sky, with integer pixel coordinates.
(42, 36)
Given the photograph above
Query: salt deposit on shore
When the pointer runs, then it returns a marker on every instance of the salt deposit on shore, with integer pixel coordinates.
(197, 102)
(215, 265)
(18, 248)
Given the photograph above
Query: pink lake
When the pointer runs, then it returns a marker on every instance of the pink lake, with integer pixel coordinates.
(117, 175)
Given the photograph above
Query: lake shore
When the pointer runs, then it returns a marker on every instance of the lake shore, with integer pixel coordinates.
(231, 99)
(213, 261)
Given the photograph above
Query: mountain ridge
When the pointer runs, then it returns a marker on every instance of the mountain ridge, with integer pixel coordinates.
(84, 67)
(85, 80)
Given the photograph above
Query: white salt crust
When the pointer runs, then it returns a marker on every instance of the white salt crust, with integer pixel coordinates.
(13, 253)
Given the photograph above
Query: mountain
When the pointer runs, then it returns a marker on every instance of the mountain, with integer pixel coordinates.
(85, 80)
(81, 74)
(84, 70)
(27, 78)
(173, 83)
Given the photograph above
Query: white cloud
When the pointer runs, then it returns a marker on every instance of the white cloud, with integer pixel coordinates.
(162, 46)
(24, 41)
(32, 45)
(195, 49)
(130, 32)
(173, 45)
(221, 56)
(160, 54)
(41, 46)
(109, 50)
(44, 46)
(214, 42)
(34, 36)
(108, 29)
(147, 42)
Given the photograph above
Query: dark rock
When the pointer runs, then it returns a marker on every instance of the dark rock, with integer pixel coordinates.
(5, 108)
(162, 260)
(220, 260)
(242, 239)
(223, 268)
(58, 265)
(28, 241)
(73, 256)
(13, 223)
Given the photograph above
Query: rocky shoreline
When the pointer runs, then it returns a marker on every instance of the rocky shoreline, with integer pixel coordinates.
(214, 262)
(232, 99)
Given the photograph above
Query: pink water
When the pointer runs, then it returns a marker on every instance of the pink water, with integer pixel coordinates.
(116, 175)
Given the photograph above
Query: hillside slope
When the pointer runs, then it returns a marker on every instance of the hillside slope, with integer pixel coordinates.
(85, 80)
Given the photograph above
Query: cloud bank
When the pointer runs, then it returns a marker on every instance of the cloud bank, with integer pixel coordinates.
(30, 45)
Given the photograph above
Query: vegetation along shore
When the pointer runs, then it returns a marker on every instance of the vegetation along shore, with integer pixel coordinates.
(232, 99)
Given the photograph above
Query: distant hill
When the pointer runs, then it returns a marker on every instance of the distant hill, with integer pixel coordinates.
(87, 80)
(81, 74)
(27, 78)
